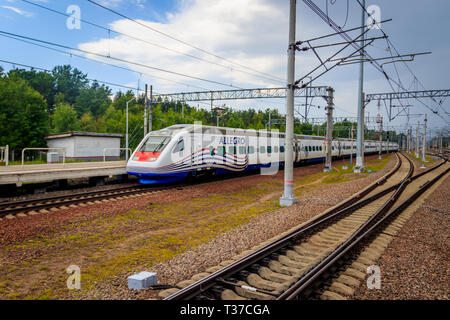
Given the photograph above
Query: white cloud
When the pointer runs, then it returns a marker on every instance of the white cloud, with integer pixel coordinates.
(18, 11)
(116, 3)
(245, 31)
(253, 33)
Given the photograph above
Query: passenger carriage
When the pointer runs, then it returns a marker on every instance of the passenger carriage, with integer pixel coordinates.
(176, 152)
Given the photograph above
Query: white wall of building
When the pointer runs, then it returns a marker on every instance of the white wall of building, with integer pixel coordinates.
(67, 143)
(87, 147)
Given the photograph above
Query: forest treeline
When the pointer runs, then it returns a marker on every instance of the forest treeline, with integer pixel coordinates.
(35, 103)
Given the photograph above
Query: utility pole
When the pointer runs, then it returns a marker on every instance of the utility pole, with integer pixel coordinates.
(145, 111)
(381, 138)
(329, 137)
(424, 143)
(288, 197)
(270, 120)
(360, 131)
(306, 98)
(417, 139)
(126, 129)
(150, 112)
(388, 138)
(182, 107)
(351, 146)
(408, 140)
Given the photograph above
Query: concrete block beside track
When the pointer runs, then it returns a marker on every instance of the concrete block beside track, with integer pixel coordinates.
(142, 280)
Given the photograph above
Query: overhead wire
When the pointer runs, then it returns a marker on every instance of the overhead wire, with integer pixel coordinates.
(412, 73)
(148, 42)
(182, 41)
(374, 63)
(119, 59)
(49, 71)
(103, 62)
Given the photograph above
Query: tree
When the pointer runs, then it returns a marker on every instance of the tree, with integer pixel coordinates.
(121, 99)
(42, 82)
(69, 82)
(88, 123)
(65, 118)
(23, 114)
(94, 99)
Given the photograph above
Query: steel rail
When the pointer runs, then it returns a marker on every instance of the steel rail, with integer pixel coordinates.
(302, 286)
(58, 201)
(344, 208)
(217, 278)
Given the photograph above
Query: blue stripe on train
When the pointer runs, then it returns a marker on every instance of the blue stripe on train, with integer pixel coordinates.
(152, 178)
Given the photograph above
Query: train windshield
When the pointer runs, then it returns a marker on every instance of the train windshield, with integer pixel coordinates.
(155, 144)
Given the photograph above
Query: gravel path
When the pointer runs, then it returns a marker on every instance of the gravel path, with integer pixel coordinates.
(416, 264)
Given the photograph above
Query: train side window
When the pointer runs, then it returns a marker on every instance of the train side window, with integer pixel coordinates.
(320, 148)
(221, 151)
(251, 149)
(269, 149)
(314, 148)
(282, 149)
(241, 150)
(309, 148)
(211, 151)
(232, 149)
(179, 146)
(262, 149)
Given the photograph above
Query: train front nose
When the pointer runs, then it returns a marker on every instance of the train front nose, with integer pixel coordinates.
(143, 165)
(148, 169)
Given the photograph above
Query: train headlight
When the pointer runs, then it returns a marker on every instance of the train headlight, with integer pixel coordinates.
(151, 159)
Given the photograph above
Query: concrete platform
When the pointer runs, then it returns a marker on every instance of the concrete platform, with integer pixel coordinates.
(49, 172)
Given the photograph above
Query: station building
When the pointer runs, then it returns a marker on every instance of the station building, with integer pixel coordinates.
(86, 146)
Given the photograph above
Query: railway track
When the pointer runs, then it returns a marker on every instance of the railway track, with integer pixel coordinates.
(20, 208)
(300, 263)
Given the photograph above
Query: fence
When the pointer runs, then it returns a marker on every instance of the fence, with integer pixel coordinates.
(104, 152)
(4, 154)
(63, 152)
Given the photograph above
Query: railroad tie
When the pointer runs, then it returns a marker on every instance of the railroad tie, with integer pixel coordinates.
(213, 269)
(245, 290)
(341, 289)
(256, 281)
(228, 294)
(329, 295)
(185, 283)
(273, 276)
(165, 293)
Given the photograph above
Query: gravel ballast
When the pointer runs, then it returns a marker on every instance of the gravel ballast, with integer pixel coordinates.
(314, 198)
(416, 263)
(261, 228)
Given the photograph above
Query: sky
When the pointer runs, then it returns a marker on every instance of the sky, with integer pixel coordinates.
(229, 44)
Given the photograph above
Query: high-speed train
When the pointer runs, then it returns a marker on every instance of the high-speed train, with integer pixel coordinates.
(176, 152)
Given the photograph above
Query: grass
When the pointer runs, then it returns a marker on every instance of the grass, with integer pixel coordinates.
(429, 159)
(137, 239)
